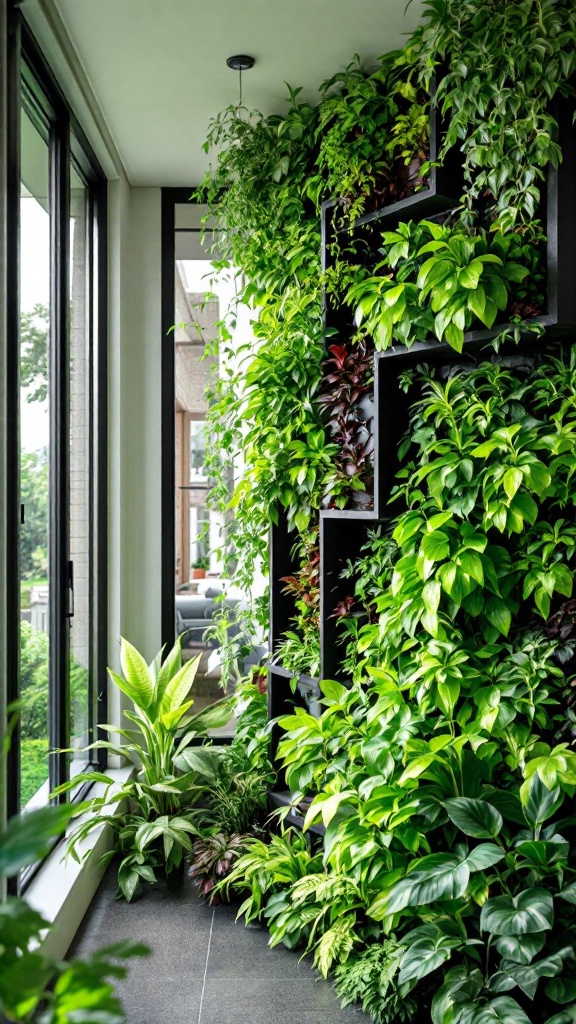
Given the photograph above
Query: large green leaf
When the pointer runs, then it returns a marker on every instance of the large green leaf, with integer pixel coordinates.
(30, 836)
(520, 948)
(429, 947)
(562, 990)
(204, 760)
(177, 689)
(476, 818)
(502, 1010)
(527, 976)
(167, 670)
(460, 986)
(136, 674)
(529, 911)
(19, 923)
(484, 856)
(441, 876)
(542, 802)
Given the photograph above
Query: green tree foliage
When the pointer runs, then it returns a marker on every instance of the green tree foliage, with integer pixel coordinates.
(34, 327)
(34, 496)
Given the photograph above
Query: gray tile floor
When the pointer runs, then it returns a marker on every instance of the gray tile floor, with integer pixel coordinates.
(205, 968)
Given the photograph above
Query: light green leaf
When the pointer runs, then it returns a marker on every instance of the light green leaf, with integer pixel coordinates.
(178, 687)
(136, 673)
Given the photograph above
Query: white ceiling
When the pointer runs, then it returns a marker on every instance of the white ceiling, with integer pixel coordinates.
(158, 71)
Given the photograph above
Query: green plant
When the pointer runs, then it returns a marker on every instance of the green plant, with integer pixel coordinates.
(438, 774)
(236, 796)
(35, 988)
(372, 136)
(437, 279)
(266, 868)
(505, 64)
(151, 813)
(370, 978)
(201, 563)
(212, 859)
(299, 650)
(251, 710)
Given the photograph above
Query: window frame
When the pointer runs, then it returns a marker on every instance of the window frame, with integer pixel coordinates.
(67, 146)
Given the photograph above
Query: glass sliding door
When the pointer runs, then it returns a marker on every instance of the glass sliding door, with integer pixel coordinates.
(80, 514)
(58, 428)
(35, 448)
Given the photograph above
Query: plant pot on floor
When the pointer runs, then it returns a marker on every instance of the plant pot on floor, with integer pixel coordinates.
(198, 574)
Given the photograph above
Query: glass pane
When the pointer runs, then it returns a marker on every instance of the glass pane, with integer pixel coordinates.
(202, 299)
(34, 449)
(79, 471)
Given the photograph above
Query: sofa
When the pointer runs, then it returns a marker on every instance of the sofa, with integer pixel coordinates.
(194, 615)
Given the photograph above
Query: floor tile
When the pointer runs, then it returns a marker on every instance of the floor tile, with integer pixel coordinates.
(204, 967)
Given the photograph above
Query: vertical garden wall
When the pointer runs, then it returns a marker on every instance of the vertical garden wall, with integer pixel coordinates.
(408, 423)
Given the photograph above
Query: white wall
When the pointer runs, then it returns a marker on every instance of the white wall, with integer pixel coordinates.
(134, 442)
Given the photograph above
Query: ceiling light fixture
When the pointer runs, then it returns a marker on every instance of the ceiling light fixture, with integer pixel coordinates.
(240, 62)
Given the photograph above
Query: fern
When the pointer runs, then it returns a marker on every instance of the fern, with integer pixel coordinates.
(336, 944)
(369, 979)
(324, 888)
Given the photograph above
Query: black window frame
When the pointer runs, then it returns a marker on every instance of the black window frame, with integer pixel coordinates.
(68, 146)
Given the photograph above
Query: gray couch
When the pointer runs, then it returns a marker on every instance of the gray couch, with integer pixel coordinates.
(194, 614)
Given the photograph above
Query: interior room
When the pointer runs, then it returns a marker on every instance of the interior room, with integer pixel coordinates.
(287, 511)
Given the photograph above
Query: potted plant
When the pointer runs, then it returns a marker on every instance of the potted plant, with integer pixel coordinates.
(199, 568)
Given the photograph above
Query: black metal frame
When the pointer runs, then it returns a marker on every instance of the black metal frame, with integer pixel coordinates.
(171, 197)
(13, 402)
(51, 107)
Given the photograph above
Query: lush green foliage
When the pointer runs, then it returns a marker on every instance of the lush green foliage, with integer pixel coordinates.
(372, 136)
(368, 977)
(441, 280)
(363, 145)
(34, 988)
(151, 813)
(237, 779)
(443, 773)
(505, 63)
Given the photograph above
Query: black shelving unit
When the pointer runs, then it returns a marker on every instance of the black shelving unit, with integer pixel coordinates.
(343, 532)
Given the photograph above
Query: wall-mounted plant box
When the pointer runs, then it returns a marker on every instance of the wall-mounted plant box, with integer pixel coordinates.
(286, 692)
(342, 534)
(393, 404)
(558, 214)
(442, 193)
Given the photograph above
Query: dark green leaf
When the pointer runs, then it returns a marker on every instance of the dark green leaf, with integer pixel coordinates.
(531, 911)
(476, 818)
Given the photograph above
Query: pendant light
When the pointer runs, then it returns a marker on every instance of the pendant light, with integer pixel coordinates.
(240, 62)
